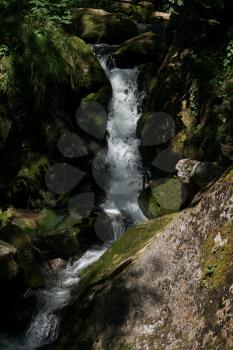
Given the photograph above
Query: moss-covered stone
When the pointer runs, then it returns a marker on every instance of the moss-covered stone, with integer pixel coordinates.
(102, 96)
(164, 197)
(124, 249)
(95, 25)
(138, 50)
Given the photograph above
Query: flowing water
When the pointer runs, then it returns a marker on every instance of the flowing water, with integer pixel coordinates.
(121, 204)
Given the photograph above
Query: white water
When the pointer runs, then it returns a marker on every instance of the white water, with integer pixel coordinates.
(123, 156)
(121, 205)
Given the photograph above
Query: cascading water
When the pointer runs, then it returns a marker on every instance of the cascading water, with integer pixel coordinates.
(121, 205)
(123, 156)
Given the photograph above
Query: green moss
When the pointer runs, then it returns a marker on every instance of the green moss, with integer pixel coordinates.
(165, 197)
(217, 260)
(102, 96)
(126, 247)
(229, 176)
(48, 57)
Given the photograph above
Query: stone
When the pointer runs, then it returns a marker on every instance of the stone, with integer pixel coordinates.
(162, 197)
(197, 173)
(139, 50)
(98, 26)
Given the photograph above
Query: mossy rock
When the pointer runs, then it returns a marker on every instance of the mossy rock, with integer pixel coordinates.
(126, 247)
(143, 10)
(138, 50)
(94, 76)
(95, 25)
(163, 197)
(102, 96)
(27, 189)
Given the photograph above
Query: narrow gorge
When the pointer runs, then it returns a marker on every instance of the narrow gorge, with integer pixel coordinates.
(116, 186)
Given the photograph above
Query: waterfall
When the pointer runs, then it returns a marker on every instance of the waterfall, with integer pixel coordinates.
(123, 156)
(121, 204)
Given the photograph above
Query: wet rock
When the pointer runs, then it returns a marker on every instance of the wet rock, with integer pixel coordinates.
(57, 265)
(138, 50)
(98, 26)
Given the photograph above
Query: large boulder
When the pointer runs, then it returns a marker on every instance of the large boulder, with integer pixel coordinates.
(98, 26)
(138, 50)
(197, 173)
(162, 197)
(166, 284)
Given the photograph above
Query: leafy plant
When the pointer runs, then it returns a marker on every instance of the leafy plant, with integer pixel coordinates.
(53, 11)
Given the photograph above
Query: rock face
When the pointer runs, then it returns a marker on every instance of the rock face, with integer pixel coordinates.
(138, 50)
(166, 284)
(95, 25)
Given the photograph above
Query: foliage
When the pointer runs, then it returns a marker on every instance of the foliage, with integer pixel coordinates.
(52, 11)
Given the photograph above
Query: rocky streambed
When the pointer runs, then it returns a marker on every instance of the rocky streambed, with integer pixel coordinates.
(132, 130)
